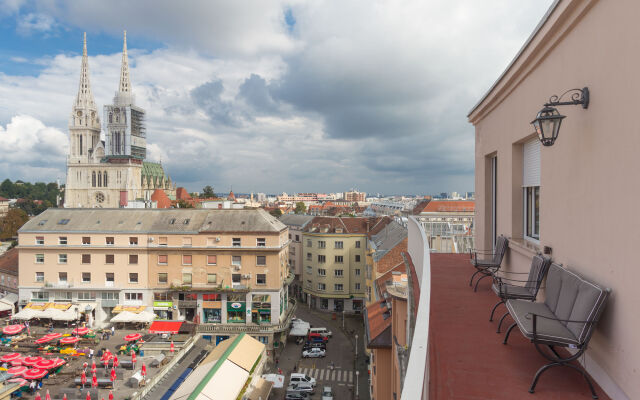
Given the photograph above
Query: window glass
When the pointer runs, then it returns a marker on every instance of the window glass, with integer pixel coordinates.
(212, 260)
(133, 241)
(86, 277)
(162, 277)
(62, 258)
(39, 276)
(62, 240)
(163, 259)
(108, 258)
(261, 260)
(133, 258)
(86, 258)
(186, 259)
(109, 277)
(133, 277)
(39, 258)
(211, 278)
(39, 240)
(186, 278)
(236, 260)
(86, 240)
(109, 240)
(261, 279)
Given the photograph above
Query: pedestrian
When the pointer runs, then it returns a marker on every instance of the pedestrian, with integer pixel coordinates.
(32, 386)
(91, 353)
(113, 330)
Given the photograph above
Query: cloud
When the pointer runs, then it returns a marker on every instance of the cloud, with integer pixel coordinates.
(32, 23)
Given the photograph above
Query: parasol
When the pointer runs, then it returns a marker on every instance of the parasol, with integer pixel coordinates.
(132, 337)
(12, 329)
(35, 373)
(9, 357)
(31, 361)
(69, 340)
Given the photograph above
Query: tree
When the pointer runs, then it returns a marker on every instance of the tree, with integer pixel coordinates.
(207, 192)
(276, 212)
(301, 208)
(184, 204)
(11, 222)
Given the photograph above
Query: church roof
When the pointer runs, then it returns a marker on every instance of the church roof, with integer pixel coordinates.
(152, 169)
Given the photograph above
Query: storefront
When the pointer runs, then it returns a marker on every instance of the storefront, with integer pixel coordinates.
(236, 308)
(163, 309)
(261, 309)
(187, 304)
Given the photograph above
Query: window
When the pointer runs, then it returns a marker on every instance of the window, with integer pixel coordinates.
(186, 221)
(109, 240)
(133, 258)
(186, 241)
(261, 242)
(133, 241)
(163, 259)
(309, 270)
(86, 258)
(212, 260)
(531, 188)
(40, 240)
(211, 297)
(322, 286)
(162, 241)
(39, 276)
(308, 256)
(261, 260)
(62, 240)
(109, 277)
(339, 259)
(235, 278)
(62, 258)
(322, 244)
(62, 277)
(236, 242)
(338, 244)
(186, 278)
(63, 221)
(357, 271)
(161, 296)
(40, 296)
(186, 259)
(211, 278)
(357, 244)
(357, 286)
(309, 243)
(338, 287)
(86, 240)
(236, 260)
(108, 258)
(292, 251)
(86, 277)
(263, 339)
(322, 258)
(86, 296)
(110, 296)
(357, 257)
(297, 238)
(39, 258)
(308, 283)
(133, 277)
(338, 272)
(261, 279)
(172, 221)
(322, 272)
(133, 296)
(163, 277)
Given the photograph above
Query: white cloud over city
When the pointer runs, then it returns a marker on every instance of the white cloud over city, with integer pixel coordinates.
(361, 94)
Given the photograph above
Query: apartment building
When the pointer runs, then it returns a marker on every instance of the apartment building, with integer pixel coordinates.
(384, 255)
(226, 267)
(448, 225)
(296, 224)
(333, 276)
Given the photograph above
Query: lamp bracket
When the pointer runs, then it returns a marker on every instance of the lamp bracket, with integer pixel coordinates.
(577, 96)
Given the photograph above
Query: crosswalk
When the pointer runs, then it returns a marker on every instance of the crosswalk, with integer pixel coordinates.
(329, 375)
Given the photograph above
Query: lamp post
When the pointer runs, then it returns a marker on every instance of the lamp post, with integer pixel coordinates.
(342, 319)
(357, 387)
(77, 319)
(356, 347)
(548, 120)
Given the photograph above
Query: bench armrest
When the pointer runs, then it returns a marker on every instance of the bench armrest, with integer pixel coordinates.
(536, 316)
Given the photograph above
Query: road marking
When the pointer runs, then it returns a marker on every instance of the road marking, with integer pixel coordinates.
(321, 375)
(333, 375)
(340, 384)
(338, 377)
(304, 371)
(350, 376)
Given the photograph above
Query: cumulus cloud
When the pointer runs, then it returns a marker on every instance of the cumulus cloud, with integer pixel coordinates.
(33, 22)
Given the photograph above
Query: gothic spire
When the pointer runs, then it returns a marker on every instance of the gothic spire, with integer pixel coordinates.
(84, 99)
(125, 84)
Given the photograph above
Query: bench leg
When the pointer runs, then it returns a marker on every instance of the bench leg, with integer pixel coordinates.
(473, 276)
(501, 320)
(475, 289)
(556, 364)
(494, 309)
(506, 337)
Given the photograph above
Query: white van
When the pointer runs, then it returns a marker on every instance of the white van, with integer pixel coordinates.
(321, 331)
(302, 378)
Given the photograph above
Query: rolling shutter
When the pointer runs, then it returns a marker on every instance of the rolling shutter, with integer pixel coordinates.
(531, 163)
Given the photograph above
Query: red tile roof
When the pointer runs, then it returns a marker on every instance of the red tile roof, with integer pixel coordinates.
(9, 261)
(182, 194)
(378, 320)
(362, 225)
(393, 258)
(161, 197)
(3, 199)
(450, 206)
(381, 282)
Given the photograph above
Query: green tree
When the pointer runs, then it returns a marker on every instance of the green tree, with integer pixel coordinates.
(276, 212)
(11, 222)
(184, 204)
(301, 208)
(207, 192)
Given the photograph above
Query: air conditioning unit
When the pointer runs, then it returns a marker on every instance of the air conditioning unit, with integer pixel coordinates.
(150, 240)
(218, 239)
(237, 267)
(246, 276)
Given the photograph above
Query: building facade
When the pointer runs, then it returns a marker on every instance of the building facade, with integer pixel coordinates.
(296, 224)
(448, 225)
(214, 267)
(560, 198)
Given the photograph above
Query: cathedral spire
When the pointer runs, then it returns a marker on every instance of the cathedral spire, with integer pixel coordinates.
(84, 99)
(125, 84)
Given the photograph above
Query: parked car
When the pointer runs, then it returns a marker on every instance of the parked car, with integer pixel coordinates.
(322, 331)
(296, 396)
(314, 353)
(316, 337)
(300, 388)
(314, 345)
(327, 393)
(302, 378)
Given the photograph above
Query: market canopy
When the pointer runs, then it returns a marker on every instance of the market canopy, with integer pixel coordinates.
(133, 309)
(165, 326)
(299, 328)
(26, 314)
(127, 316)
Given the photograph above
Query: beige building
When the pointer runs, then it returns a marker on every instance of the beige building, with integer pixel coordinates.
(296, 224)
(570, 196)
(448, 224)
(4, 206)
(223, 268)
(333, 276)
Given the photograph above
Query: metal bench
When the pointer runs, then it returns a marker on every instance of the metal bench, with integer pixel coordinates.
(488, 266)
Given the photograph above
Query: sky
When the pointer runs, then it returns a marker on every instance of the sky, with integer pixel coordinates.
(266, 96)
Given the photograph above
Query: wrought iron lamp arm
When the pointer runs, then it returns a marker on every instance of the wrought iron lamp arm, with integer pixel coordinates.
(578, 96)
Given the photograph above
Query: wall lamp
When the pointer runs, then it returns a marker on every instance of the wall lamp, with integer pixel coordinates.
(548, 120)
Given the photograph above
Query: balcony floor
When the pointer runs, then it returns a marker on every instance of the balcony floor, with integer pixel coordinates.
(467, 357)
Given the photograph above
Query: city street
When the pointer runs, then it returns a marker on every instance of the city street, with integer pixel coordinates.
(338, 368)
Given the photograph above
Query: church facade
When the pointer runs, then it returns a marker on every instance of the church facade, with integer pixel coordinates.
(111, 173)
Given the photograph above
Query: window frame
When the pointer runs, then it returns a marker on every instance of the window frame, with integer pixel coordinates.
(62, 240)
(137, 276)
(39, 277)
(190, 259)
(166, 278)
(82, 274)
(264, 264)
(261, 283)
(39, 259)
(66, 258)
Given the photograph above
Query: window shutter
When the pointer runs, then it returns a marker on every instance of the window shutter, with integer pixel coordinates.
(531, 163)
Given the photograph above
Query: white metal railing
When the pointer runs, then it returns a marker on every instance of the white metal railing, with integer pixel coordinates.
(416, 380)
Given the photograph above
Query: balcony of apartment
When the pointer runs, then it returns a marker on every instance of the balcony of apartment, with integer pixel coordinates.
(465, 357)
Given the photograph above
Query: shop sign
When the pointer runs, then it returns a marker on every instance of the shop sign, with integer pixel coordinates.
(235, 306)
(163, 304)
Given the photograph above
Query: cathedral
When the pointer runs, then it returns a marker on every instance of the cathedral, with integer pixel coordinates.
(112, 173)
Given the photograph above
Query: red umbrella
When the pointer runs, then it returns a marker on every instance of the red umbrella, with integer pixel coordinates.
(69, 340)
(81, 331)
(17, 370)
(47, 396)
(31, 361)
(113, 374)
(17, 361)
(35, 373)
(37, 396)
(83, 379)
(94, 381)
(93, 366)
(172, 348)
(88, 395)
(19, 381)
(64, 396)
(110, 395)
(9, 357)
(59, 362)
(116, 362)
(132, 337)
(144, 370)
(12, 329)
(45, 364)
(133, 356)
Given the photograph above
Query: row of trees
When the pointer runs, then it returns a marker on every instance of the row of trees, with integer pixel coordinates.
(26, 190)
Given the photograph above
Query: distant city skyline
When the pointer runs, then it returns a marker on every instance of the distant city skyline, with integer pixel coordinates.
(244, 97)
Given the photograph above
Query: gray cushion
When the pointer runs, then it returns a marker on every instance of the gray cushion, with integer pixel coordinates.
(546, 329)
(539, 267)
(482, 263)
(512, 291)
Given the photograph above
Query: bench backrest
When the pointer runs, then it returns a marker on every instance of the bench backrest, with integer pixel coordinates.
(501, 247)
(570, 297)
(539, 267)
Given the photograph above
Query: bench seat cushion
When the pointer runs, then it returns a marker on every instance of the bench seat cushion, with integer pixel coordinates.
(512, 291)
(546, 329)
(483, 263)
